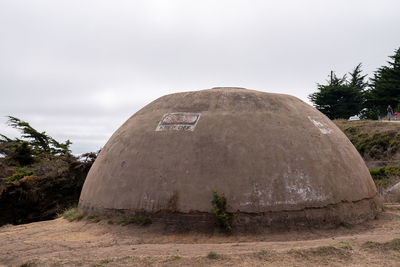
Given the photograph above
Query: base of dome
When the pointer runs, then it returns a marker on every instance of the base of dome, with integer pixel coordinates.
(321, 217)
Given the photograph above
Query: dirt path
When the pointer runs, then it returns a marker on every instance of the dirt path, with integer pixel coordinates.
(59, 242)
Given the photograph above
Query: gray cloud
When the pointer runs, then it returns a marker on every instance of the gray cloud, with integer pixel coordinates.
(78, 69)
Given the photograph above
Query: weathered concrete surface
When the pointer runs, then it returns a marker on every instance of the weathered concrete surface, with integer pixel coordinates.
(393, 193)
(266, 152)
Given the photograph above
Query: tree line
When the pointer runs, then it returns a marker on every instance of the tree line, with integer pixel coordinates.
(355, 94)
(32, 143)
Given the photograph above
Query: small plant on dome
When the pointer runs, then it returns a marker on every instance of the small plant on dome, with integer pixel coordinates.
(224, 218)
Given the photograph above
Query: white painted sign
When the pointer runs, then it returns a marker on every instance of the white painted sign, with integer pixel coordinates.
(322, 127)
(178, 121)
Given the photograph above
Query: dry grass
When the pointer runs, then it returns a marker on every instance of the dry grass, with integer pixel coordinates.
(73, 214)
(342, 251)
(394, 244)
(94, 218)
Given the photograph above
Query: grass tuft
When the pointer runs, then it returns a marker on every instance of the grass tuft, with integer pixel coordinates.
(345, 225)
(264, 254)
(219, 211)
(94, 218)
(383, 207)
(72, 214)
(213, 255)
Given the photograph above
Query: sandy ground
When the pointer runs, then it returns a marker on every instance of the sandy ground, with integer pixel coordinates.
(59, 242)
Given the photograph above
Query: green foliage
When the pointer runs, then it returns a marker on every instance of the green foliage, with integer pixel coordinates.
(345, 225)
(213, 255)
(23, 153)
(176, 257)
(386, 171)
(73, 214)
(218, 209)
(385, 86)
(341, 98)
(382, 174)
(376, 145)
(94, 218)
(34, 143)
(345, 245)
(38, 140)
(55, 186)
(383, 207)
(18, 175)
(135, 219)
(379, 176)
(378, 173)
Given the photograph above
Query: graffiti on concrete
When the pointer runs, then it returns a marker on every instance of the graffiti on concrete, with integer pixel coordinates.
(322, 127)
(179, 121)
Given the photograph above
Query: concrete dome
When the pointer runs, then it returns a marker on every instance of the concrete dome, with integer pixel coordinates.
(275, 158)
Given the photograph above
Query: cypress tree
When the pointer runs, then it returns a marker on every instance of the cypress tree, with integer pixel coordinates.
(385, 85)
(341, 98)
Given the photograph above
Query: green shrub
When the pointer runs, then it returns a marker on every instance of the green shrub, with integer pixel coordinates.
(345, 225)
(352, 129)
(381, 175)
(378, 173)
(224, 218)
(73, 214)
(94, 218)
(345, 245)
(18, 175)
(381, 182)
(22, 153)
(175, 257)
(393, 170)
(212, 255)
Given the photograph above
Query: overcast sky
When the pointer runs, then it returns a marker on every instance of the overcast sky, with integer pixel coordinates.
(79, 69)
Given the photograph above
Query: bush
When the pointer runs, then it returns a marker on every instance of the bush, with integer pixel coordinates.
(345, 225)
(381, 175)
(72, 214)
(22, 153)
(224, 218)
(18, 175)
(212, 255)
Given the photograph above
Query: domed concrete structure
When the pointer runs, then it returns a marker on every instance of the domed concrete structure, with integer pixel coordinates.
(276, 159)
